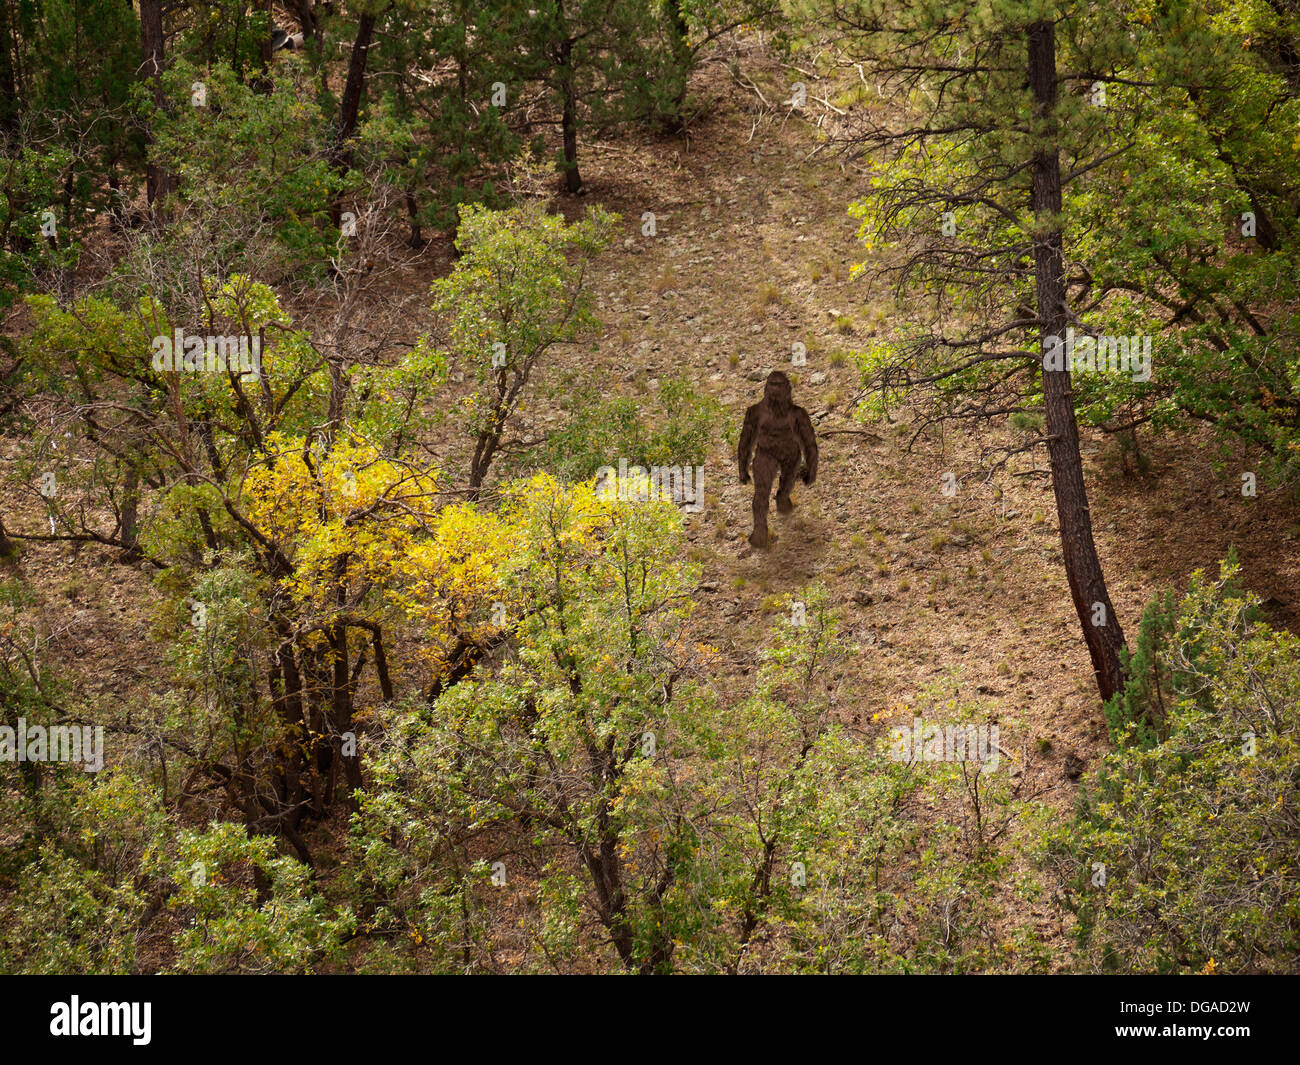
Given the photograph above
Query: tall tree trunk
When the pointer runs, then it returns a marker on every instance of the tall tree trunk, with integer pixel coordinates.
(680, 44)
(10, 105)
(311, 25)
(354, 87)
(350, 106)
(569, 118)
(158, 182)
(286, 688)
(262, 82)
(1101, 628)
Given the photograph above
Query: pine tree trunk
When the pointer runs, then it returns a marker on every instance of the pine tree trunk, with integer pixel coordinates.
(158, 182)
(569, 119)
(10, 105)
(350, 107)
(681, 70)
(1101, 628)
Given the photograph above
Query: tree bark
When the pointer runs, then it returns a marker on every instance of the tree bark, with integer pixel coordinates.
(353, 88)
(350, 106)
(10, 104)
(569, 118)
(311, 25)
(158, 181)
(1101, 627)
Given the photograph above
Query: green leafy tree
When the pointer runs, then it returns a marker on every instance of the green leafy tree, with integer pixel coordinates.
(516, 292)
(970, 194)
(1182, 857)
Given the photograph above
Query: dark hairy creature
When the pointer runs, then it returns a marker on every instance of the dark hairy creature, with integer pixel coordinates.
(778, 434)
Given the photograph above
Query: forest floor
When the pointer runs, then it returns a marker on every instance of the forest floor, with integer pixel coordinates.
(943, 596)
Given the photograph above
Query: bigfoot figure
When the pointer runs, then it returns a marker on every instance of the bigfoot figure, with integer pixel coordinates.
(776, 432)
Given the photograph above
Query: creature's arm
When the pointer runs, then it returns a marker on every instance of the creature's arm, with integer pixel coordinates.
(808, 441)
(747, 434)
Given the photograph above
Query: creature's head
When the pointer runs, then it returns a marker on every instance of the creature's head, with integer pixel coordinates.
(776, 393)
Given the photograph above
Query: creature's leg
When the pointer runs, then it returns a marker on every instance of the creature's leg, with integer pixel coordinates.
(764, 470)
(789, 469)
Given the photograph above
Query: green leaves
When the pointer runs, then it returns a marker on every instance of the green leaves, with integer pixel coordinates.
(1193, 816)
(516, 292)
(232, 926)
(252, 165)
